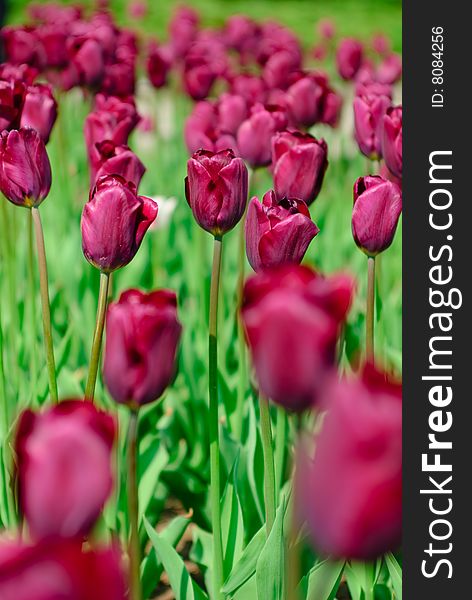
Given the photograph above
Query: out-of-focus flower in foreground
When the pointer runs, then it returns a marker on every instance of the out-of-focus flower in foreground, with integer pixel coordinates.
(392, 140)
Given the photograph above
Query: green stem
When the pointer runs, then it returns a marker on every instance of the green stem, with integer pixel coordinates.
(43, 283)
(280, 443)
(293, 562)
(269, 470)
(369, 342)
(32, 305)
(133, 508)
(218, 575)
(3, 389)
(97, 336)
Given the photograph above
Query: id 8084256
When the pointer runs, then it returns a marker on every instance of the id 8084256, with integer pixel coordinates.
(437, 66)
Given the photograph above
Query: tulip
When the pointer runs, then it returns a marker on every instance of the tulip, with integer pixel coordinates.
(53, 39)
(278, 69)
(368, 114)
(12, 96)
(377, 208)
(119, 79)
(381, 44)
(250, 87)
(390, 69)
(73, 438)
(21, 46)
(277, 231)
(158, 65)
(114, 222)
(116, 160)
(305, 100)
(255, 135)
(359, 447)
(331, 108)
(39, 110)
(349, 57)
(326, 28)
(143, 333)
(59, 569)
(87, 56)
(198, 80)
(25, 171)
(17, 73)
(182, 30)
(392, 140)
(231, 111)
(292, 317)
(300, 162)
(216, 189)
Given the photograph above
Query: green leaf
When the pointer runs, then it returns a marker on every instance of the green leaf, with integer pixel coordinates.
(322, 582)
(245, 568)
(270, 567)
(183, 586)
(152, 461)
(395, 571)
(231, 523)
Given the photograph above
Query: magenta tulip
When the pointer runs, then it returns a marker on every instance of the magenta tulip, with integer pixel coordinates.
(368, 114)
(116, 160)
(390, 69)
(292, 317)
(278, 69)
(53, 39)
(305, 99)
(216, 189)
(392, 140)
(21, 46)
(66, 448)
(377, 208)
(349, 57)
(277, 231)
(231, 111)
(198, 80)
(12, 97)
(25, 170)
(142, 336)
(250, 87)
(87, 56)
(255, 135)
(158, 64)
(299, 162)
(39, 110)
(114, 222)
(60, 570)
(360, 448)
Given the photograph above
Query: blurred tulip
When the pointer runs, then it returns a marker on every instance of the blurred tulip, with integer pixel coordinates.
(250, 87)
(305, 99)
(255, 135)
(216, 189)
(299, 162)
(392, 139)
(390, 69)
(25, 170)
(158, 65)
(359, 447)
(87, 56)
(326, 28)
(119, 79)
(39, 110)
(331, 108)
(277, 231)
(377, 208)
(21, 46)
(143, 334)
(292, 317)
(114, 222)
(138, 9)
(198, 80)
(349, 57)
(12, 97)
(53, 39)
(116, 160)
(231, 111)
(278, 69)
(183, 29)
(66, 448)
(18, 73)
(59, 570)
(381, 44)
(368, 114)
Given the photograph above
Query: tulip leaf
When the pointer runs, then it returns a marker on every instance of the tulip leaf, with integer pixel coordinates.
(322, 582)
(395, 571)
(155, 457)
(245, 568)
(231, 523)
(183, 586)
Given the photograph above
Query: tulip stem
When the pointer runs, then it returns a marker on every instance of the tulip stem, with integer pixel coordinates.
(241, 338)
(45, 307)
(133, 509)
(369, 343)
(269, 469)
(97, 336)
(32, 297)
(280, 439)
(218, 575)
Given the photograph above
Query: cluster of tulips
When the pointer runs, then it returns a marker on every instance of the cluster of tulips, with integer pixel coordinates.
(255, 101)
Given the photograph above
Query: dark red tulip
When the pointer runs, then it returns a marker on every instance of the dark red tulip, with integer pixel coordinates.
(59, 570)
(25, 170)
(349, 57)
(12, 97)
(360, 448)
(231, 111)
(158, 65)
(392, 139)
(278, 69)
(116, 160)
(377, 208)
(53, 39)
(216, 189)
(142, 336)
(198, 80)
(66, 448)
(299, 161)
(119, 79)
(19, 73)
(21, 46)
(390, 69)
(369, 110)
(306, 100)
(277, 231)
(39, 110)
(292, 317)
(114, 222)
(87, 56)
(255, 135)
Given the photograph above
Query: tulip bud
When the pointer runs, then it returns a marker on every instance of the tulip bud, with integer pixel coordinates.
(300, 162)
(255, 134)
(25, 171)
(59, 569)
(349, 57)
(75, 439)
(216, 189)
(392, 140)
(377, 208)
(277, 231)
(292, 318)
(116, 160)
(368, 114)
(39, 110)
(142, 336)
(12, 97)
(114, 222)
(360, 448)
